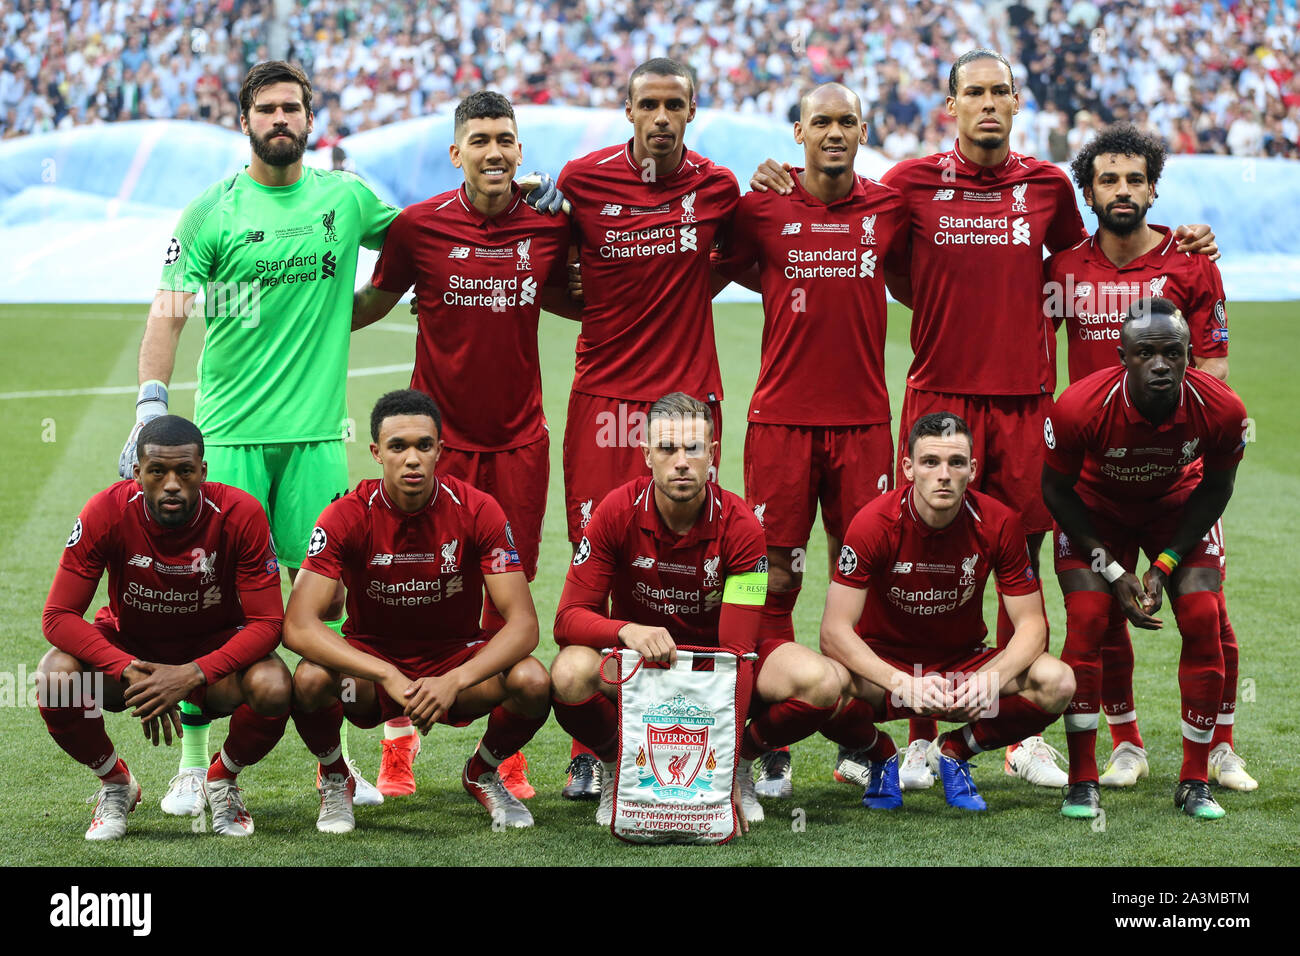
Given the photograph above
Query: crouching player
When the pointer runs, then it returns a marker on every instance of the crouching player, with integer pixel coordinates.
(682, 562)
(904, 615)
(1120, 476)
(414, 551)
(193, 614)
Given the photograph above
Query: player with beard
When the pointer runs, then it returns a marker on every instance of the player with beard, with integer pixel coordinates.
(1089, 288)
(193, 614)
(274, 249)
(981, 217)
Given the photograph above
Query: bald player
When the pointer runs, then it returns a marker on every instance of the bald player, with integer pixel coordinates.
(819, 421)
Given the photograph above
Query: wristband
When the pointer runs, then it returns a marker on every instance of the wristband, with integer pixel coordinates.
(1166, 562)
(151, 401)
(1113, 572)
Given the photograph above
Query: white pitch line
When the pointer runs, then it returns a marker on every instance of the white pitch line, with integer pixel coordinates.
(178, 387)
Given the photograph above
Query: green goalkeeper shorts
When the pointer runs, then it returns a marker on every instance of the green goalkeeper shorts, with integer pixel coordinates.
(294, 481)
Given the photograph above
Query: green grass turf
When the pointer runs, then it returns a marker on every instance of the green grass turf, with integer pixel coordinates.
(60, 450)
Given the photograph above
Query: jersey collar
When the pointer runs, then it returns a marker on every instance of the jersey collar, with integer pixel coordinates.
(477, 218)
(1147, 260)
(856, 194)
(403, 515)
(704, 529)
(908, 508)
(637, 168)
(1135, 416)
(157, 528)
(975, 170)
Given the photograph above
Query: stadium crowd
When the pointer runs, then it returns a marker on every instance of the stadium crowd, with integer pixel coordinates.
(1214, 76)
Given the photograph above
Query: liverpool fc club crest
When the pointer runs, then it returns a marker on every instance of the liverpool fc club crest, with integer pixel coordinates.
(675, 759)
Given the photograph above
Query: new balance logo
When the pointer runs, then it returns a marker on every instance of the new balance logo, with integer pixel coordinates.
(140, 561)
(944, 194)
(328, 263)
(1019, 232)
(458, 252)
(903, 567)
(641, 561)
(1116, 452)
(382, 560)
(254, 235)
(611, 209)
(791, 228)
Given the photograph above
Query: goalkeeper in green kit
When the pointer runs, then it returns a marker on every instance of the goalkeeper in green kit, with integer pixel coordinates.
(274, 251)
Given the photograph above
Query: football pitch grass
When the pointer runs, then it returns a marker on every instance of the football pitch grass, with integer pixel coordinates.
(66, 406)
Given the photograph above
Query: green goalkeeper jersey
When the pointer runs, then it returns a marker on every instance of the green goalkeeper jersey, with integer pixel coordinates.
(277, 269)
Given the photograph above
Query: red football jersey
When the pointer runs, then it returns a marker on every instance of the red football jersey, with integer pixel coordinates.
(414, 581)
(1092, 295)
(1129, 468)
(823, 277)
(170, 590)
(925, 586)
(976, 257)
(657, 578)
(647, 318)
(477, 282)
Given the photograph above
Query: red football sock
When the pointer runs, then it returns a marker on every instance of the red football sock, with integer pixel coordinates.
(251, 738)
(1200, 678)
(1117, 681)
(778, 615)
(577, 747)
(82, 738)
(1228, 704)
(854, 727)
(922, 728)
(882, 748)
(594, 721)
(782, 724)
(1017, 717)
(319, 730)
(1086, 617)
(507, 731)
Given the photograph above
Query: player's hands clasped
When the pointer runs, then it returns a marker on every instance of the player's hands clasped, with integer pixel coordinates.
(655, 644)
(1137, 602)
(154, 688)
(429, 699)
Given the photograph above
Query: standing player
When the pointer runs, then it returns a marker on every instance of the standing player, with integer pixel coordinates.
(483, 264)
(274, 250)
(904, 615)
(1090, 287)
(193, 614)
(819, 417)
(415, 550)
(1119, 477)
(646, 214)
(980, 217)
(674, 559)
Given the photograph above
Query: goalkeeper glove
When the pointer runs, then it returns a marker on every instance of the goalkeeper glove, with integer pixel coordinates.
(542, 194)
(151, 403)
